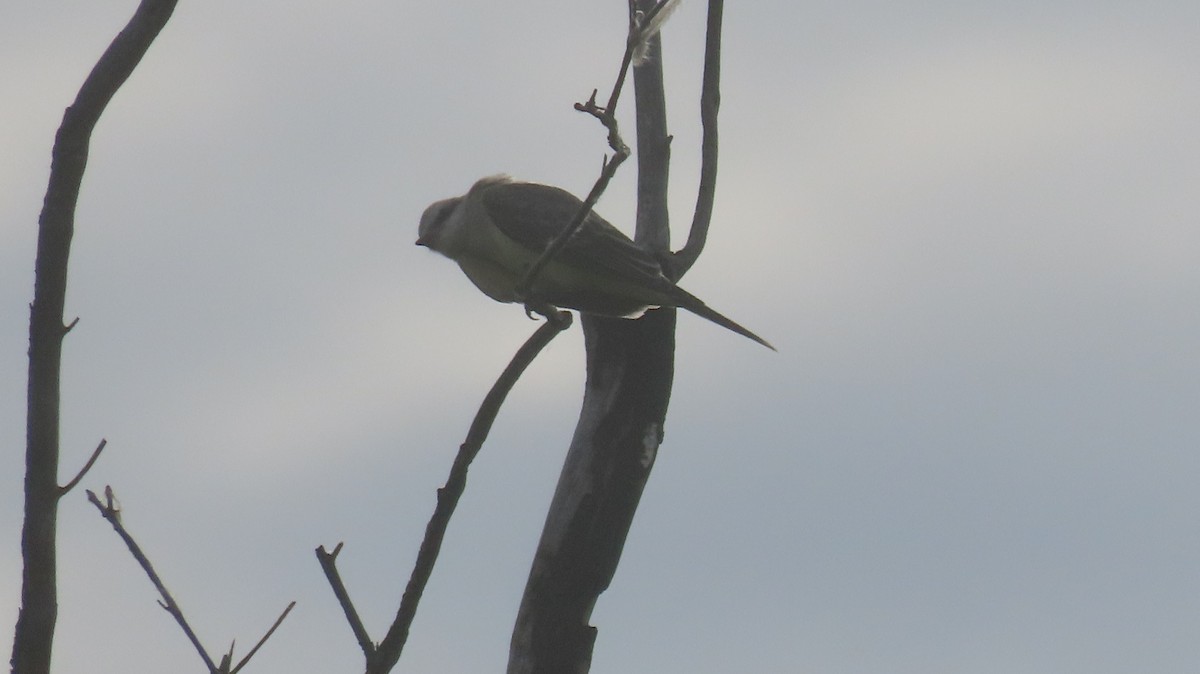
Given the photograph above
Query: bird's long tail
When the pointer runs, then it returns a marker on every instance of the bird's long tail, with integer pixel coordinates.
(696, 306)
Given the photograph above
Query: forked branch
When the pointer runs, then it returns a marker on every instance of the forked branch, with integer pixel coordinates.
(110, 509)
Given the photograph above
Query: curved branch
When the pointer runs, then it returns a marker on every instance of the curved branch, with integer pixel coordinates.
(86, 467)
(456, 483)
(710, 102)
(34, 634)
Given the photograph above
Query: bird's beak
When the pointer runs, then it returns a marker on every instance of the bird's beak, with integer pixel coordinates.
(422, 242)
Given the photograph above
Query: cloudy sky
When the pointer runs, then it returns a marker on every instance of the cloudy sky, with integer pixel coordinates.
(971, 229)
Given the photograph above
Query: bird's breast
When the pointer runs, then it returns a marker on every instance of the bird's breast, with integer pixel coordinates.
(495, 280)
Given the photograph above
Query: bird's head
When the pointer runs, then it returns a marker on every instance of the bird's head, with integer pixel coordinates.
(432, 231)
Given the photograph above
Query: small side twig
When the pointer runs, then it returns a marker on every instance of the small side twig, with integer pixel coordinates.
(263, 640)
(83, 471)
(328, 562)
(111, 511)
(608, 169)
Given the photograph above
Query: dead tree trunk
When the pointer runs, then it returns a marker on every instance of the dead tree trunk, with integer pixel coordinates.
(630, 369)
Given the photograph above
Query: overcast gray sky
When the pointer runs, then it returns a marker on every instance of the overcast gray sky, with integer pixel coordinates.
(971, 229)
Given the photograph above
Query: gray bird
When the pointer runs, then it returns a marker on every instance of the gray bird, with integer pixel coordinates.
(500, 227)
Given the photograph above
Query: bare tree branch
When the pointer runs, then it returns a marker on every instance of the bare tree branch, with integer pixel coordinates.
(328, 561)
(607, 170)
(263, 640)
(112, 512)
(86, 467)
(710, 103)
(653, 153)
(383, 658)
(643, 27)
(34, 635)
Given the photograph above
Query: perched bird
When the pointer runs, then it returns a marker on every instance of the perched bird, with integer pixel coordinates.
(500, 227)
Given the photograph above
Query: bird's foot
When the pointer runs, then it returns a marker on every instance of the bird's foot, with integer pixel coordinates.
(548, 311)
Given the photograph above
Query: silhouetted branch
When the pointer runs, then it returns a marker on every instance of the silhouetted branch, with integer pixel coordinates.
(710, 103)
(383, 658)
(643, 26)
(34, 634)
(328, 561)
(86, 467)
(263, 640)
(110, 509)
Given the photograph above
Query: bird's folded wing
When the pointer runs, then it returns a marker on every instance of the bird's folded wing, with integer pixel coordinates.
(532, 215)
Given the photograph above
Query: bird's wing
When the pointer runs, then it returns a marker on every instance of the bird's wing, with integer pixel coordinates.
(533, 214)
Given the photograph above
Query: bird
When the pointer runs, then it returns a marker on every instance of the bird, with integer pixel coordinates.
(501, 226)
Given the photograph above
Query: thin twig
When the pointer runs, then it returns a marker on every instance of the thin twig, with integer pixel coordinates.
(642, 27)
(328, 561)
(83, 471)
(112, 513)
(448, 496)
(263, 640)
(607, 116)
(607, 171)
